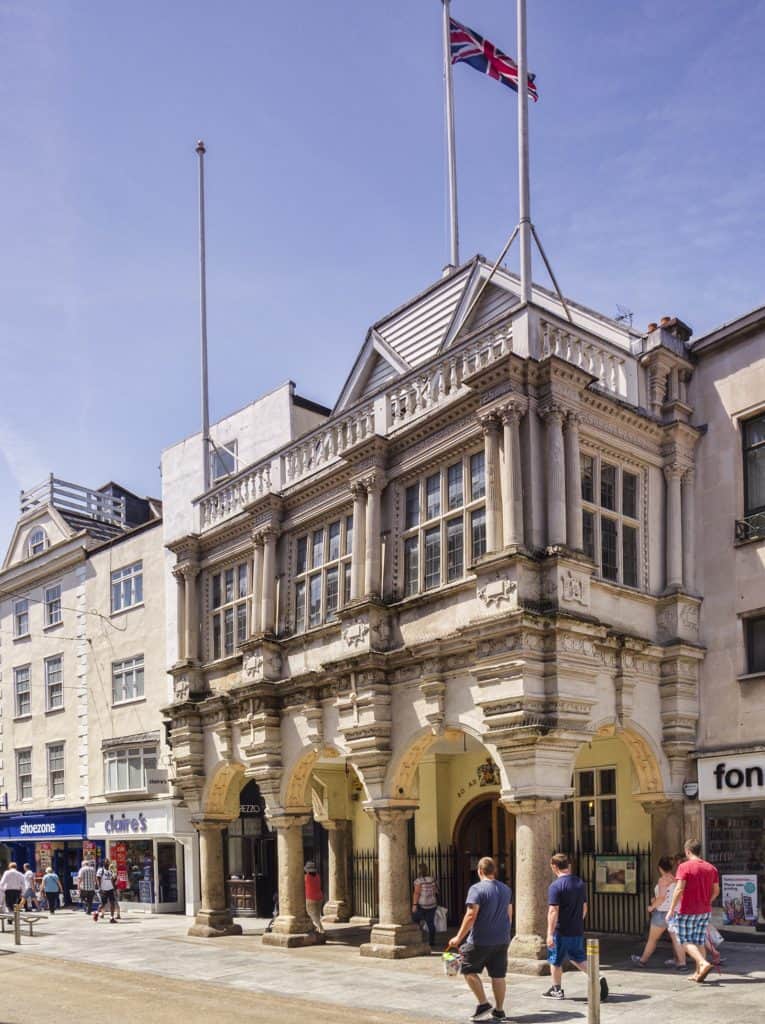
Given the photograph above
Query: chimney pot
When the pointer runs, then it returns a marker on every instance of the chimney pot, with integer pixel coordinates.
(652, 327)
(665, 320)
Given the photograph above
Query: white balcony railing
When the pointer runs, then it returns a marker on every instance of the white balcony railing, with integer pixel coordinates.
(68, 497)
(590, 355)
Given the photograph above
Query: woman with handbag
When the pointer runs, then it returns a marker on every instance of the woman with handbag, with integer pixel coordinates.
(425, 901)
(658, 908)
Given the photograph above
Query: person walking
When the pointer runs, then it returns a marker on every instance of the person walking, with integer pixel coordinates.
(314, 897)
(30, 899)
(105, 888)
(485, 932)
(658, 908)
(697, 886)
(86, 884)
(566, 911)
(13, 884)
(52, 887)
(425, 901)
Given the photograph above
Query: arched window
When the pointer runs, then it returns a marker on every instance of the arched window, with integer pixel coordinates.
(38, 541)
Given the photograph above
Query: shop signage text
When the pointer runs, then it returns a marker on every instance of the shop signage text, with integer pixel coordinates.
(125, 824)
(42, 825)
(731, 777)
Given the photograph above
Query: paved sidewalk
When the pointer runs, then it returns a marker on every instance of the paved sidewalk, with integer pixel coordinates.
(416, 989)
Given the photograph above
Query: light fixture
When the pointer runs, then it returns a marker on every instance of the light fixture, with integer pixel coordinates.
(691, 790)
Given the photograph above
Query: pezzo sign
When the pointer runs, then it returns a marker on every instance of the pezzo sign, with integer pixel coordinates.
(123, 824)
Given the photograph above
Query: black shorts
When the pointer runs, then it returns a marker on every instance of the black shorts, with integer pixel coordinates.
(493, 958)
(107, 896)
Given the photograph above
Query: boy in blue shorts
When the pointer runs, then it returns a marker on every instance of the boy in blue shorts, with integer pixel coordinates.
(566, 911)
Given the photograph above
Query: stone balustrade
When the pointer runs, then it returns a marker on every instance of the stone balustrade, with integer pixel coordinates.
(323, 446)
(590, 355)
(230, 497)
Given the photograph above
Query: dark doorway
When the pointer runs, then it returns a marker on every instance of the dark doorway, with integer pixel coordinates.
(484, 829)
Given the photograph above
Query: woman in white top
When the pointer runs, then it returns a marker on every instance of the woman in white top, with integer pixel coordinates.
(425, 901)
(658, 908)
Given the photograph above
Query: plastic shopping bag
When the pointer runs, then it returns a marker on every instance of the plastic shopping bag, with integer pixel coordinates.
(440, 919)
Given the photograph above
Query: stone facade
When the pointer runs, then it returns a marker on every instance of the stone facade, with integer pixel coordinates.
(487, 546)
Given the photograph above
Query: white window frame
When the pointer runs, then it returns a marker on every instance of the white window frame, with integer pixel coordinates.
(600, 512)
(56, 775)
(321, 571)
(124, 670)
(20, 614)
(219, 455)
(147, 754)
(127, 587)
(53, 604)
(31, 546)
(237, 610)
(48, 667)
(18, 669)
(414, 536)
(20, 786)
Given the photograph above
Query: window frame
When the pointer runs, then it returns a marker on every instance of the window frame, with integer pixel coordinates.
(19, 787)
(225, 449)
(597, 798)
(19, 634)
(31, 553)
(16, 670)
(594, 508)
(749, 623)
(122, 668)
(218, 614)
(59, 771)
(46, 670)
(47, 604)
(339, 567)
(414, 537)
(122, 754)
(131, 574)
(745, 449)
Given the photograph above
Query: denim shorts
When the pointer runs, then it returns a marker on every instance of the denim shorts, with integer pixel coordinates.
(567, 947)
(658, 919)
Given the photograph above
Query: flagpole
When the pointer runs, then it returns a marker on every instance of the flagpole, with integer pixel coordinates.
(203, 320)
(454, 241)
(524, 200)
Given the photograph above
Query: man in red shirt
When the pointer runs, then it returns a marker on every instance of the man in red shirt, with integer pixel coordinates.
(314, 897)
(698, 884)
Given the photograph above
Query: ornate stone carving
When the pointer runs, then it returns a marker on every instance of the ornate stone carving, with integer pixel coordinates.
(355, 634)
(573, 588)
(498, 593)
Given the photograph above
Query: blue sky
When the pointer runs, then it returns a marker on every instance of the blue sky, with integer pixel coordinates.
(326, 206)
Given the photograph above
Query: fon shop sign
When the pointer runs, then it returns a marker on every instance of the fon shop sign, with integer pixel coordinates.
(739, 899)
(732, 777)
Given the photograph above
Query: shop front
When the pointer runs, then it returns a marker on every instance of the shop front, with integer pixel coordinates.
(56, 839)
(732, 793)
(146, 843)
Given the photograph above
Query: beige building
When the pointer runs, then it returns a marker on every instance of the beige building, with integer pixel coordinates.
(456, 616)
(728, 394)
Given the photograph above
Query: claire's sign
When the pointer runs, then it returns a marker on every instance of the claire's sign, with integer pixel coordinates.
(125, 824)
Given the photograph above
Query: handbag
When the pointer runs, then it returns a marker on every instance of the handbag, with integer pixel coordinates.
(440, 919)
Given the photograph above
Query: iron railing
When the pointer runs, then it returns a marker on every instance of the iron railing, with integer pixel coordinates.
(364, 887)
(751, 527)
(616, 913)
(441, 863)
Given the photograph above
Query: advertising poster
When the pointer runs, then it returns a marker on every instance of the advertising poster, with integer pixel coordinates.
(616, 874)
(739, 899)
(119, 853)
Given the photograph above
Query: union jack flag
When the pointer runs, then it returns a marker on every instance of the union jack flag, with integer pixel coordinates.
(479, 53)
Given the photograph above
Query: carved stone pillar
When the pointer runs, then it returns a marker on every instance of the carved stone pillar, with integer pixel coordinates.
(556, 477)
(268, 601)
(667, 828)
(574, 537)
(337, 908)
(214, 917)
(534, 831)
(292, 927)
(180, 613)
(689, 531)
(257, 585)
(512, 490)
(674, 532)
(395, 935)
(358, 555)
(373, 560)
(493, 498)
(190, 573)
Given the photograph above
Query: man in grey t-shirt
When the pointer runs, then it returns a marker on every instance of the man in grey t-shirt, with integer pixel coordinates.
(486, 925)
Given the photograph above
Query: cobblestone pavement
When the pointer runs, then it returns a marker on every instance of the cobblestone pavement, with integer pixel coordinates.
(144, 949)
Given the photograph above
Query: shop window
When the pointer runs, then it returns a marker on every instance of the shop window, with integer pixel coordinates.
(53, 605)
(21, 617)
(54, 683)
(323, 573)
(230, 603)
(125, 767)
(753, 432)
(754, 631)
(444, 524)
(22, 691)
(24, 774)
(127, 680)
(55, 769)
(127, 586)
(588, 821)
(610, 519)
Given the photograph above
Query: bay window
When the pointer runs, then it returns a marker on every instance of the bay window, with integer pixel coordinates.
(610, 519)
(322, 573)
(230, 599)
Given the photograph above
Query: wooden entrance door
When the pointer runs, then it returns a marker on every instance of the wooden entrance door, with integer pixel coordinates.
(484, 829)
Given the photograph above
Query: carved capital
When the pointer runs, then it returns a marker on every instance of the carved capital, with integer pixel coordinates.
(674, 471)
(189, 570)
(257, 538)
(270, 533)
(374, 482)
(573, 419)
(358, 490)
(489, 422)
(281, 820)
(552, 413)
(513, 412)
